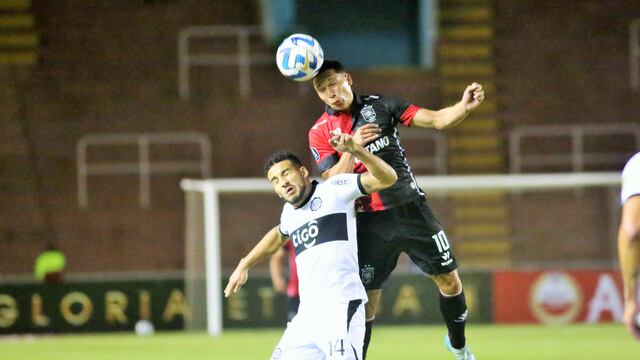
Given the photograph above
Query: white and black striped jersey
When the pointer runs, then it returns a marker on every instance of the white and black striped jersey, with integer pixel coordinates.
(323, 233)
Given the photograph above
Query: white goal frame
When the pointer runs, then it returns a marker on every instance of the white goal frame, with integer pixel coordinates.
(211, 189)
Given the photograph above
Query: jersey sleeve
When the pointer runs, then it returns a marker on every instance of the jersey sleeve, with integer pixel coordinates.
(401, 110)
(347, 187)
(631, 179)
(324, 155)
(283, 228)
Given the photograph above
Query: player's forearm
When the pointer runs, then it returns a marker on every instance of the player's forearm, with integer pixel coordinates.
(344, 165)
(629, 253)
(450, 116)
(377, 167)
(270, 243)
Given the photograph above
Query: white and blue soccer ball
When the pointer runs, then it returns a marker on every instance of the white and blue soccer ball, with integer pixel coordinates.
(299, 57)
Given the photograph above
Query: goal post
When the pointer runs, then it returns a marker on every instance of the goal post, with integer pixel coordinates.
(203, 228)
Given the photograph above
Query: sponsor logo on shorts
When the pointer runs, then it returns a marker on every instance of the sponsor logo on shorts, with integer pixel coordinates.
(367, 274)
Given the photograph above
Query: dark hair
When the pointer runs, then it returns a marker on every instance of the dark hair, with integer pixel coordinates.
(279, 156)
(334, 65)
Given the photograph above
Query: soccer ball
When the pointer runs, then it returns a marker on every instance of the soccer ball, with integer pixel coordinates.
(299, 57)
(144, 328)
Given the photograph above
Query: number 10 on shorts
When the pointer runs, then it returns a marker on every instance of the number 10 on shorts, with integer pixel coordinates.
(441, 241)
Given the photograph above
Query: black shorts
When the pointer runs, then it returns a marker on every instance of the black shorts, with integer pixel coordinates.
(410, 228)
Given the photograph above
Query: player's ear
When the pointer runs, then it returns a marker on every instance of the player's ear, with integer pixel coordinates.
(349, 79)
(304, 171)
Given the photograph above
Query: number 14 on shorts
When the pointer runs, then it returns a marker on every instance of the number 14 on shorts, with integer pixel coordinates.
(336, 348)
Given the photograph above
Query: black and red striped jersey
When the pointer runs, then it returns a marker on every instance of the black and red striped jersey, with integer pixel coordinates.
(386, 111)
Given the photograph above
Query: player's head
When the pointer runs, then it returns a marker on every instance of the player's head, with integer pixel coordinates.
(333, 85)
(289, 178)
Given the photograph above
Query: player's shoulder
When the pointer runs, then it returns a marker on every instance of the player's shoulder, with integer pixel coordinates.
(322, 120)
(633, 164)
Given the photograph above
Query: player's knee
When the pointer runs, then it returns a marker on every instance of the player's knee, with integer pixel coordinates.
(370, 311)
(449, 284)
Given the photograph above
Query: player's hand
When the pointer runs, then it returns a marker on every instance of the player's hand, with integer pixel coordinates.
(236, 280)
(342, 143)
(366, 134)
(473, 96)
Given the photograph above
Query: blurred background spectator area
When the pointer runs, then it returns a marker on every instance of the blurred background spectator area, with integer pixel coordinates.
(557, 74)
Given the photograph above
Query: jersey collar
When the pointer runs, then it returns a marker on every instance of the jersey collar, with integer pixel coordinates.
(314, 183)
(356, 104)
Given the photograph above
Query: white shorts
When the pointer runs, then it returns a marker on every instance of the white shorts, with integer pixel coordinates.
(327, 332)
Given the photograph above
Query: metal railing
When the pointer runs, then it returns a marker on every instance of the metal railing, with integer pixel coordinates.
(437, 161)
(577, 158)
(634, 53)
(243, 59)
(144, 167)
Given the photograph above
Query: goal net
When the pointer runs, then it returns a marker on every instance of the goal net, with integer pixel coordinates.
(491, 221)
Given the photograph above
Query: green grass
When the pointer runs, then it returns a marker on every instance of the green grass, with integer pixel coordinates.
(396, 343)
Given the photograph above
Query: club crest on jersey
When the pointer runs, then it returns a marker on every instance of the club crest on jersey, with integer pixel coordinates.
(316, 203)
(366, 274)
(368, 114)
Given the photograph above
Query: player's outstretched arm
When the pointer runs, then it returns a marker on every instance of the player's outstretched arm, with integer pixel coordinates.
(629, 253)
(271, 242)
(450, 116)
(380, 175)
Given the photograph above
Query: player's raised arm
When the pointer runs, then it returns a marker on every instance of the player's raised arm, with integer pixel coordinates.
(362, 136)
(450, 116)
(270, 243)
(380, 175)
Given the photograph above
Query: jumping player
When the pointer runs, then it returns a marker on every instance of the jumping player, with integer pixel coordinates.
(629, 242)
(397, 219)
(320, 221)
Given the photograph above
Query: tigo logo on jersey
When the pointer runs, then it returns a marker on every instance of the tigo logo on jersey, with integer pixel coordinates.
(306, 236)
(332, 227)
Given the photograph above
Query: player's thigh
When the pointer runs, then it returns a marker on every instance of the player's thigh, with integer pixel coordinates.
(297, 342)
(306, 351)
(424, 240)
(377, 252)
(342, 334)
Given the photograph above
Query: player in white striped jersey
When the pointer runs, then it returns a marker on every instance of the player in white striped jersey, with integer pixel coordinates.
(320, 221)
(629, 242)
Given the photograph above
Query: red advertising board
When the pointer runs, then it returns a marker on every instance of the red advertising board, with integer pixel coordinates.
(557, 297)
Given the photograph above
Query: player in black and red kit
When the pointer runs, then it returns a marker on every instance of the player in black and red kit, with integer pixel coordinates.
(396, 219)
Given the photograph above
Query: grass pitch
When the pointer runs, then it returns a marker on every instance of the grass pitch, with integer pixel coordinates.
(597, 342)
